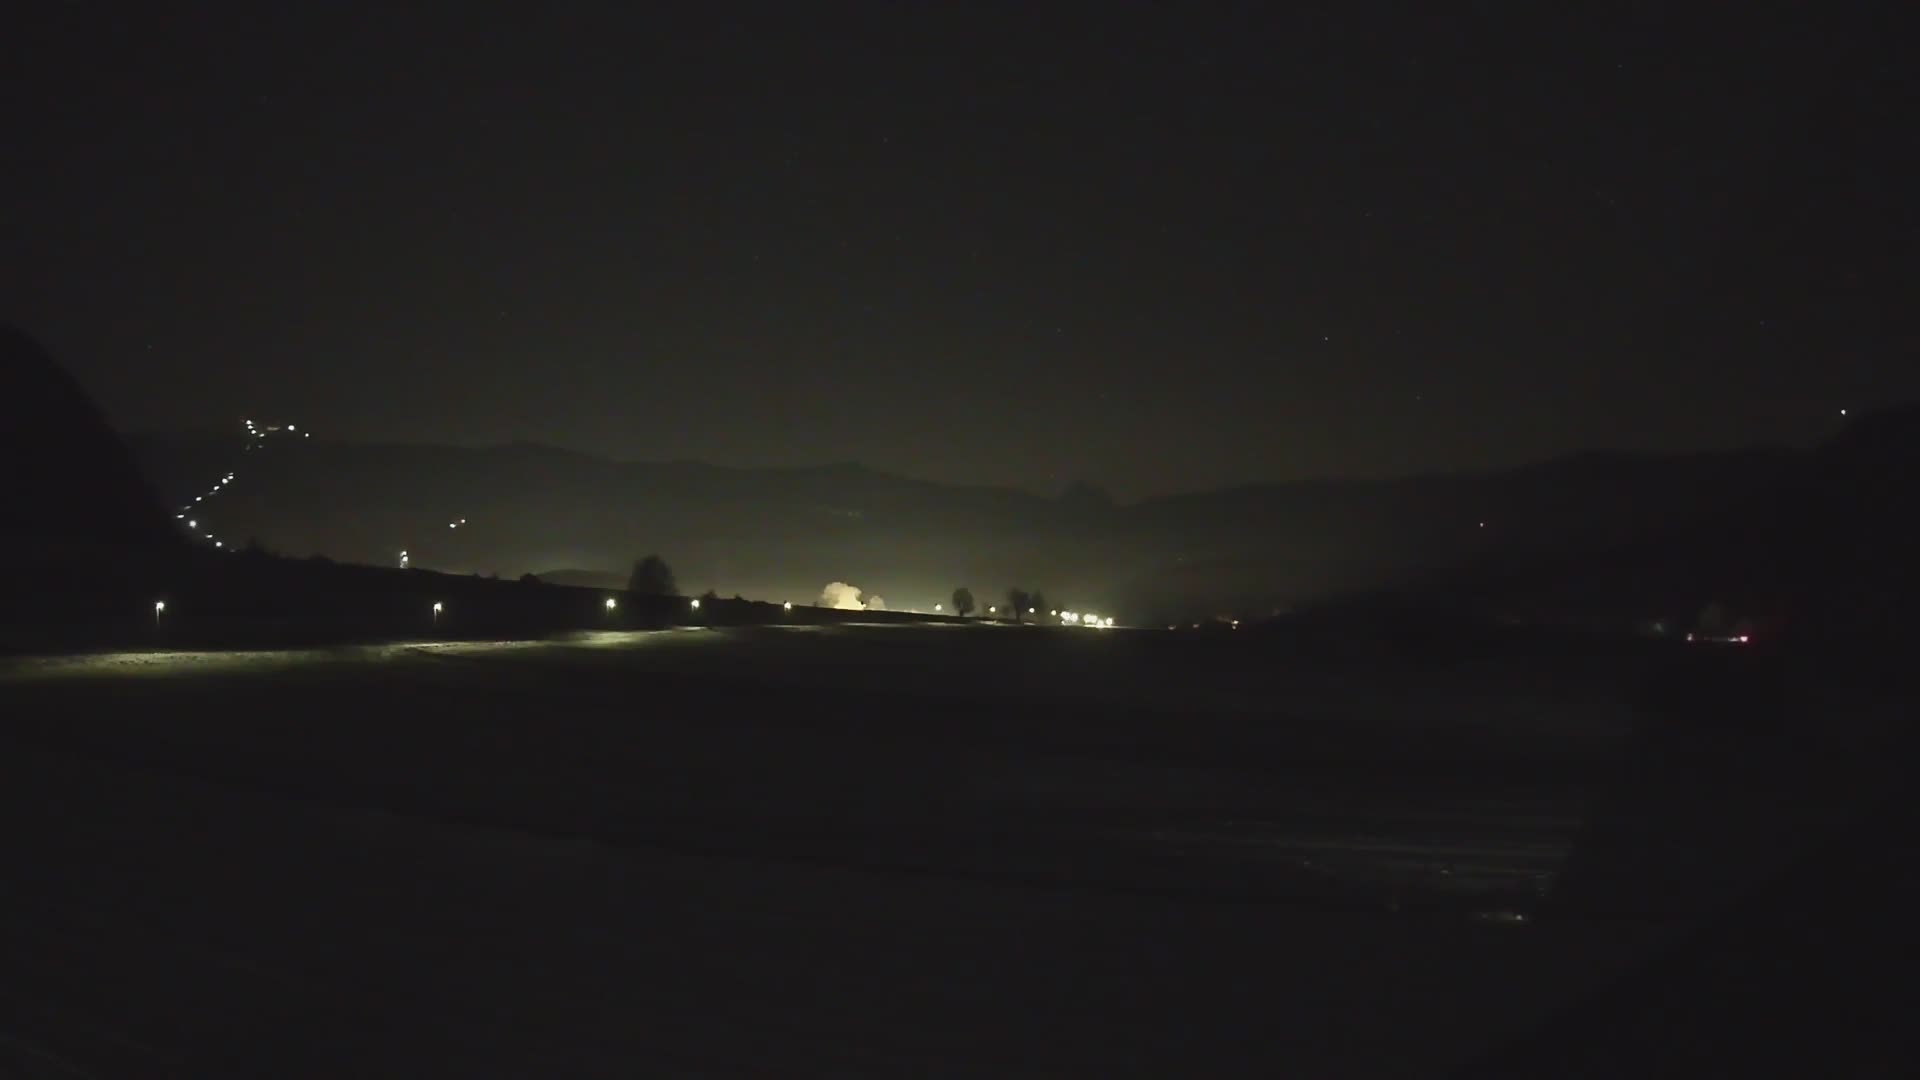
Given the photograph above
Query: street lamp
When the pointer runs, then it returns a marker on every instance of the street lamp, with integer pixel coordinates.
(611, 604)
(437, 606)
(696, 603)
(158, 607)
(403, 560)
(788, 606)
(936, 609)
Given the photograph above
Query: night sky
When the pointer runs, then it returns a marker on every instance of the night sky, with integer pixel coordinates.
(1159, 251)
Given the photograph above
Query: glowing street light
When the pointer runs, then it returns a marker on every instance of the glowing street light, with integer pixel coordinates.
(788, 606)
(1030, 611)
(437, 608)
(158, 607)
(611, 604)
(403, 560)
(191, 524)
(696, 603)
(992, 609)
(936, 609)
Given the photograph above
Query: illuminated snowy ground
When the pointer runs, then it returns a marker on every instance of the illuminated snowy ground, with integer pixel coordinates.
(851, 849)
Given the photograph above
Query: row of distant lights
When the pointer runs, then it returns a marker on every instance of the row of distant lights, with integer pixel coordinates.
(1076, 618)
(194, 523)
(439, 608)
(254, 435)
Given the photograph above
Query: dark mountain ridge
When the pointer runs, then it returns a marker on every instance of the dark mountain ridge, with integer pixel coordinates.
(782, 533)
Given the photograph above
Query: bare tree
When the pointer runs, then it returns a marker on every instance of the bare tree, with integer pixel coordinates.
(963, 601)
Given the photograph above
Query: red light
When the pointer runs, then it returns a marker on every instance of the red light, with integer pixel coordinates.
(1743, 639)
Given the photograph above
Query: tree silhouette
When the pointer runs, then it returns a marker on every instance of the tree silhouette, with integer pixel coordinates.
(1019, 601)
(963, 601)
(652, 577)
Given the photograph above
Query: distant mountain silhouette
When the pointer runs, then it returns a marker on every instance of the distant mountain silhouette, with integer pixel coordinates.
(784, 533)
(1823, 547)
(584, 579)
(72, 486)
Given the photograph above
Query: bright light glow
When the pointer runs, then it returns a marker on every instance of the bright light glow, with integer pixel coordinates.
(453, 524)
(610, 604)
(992, 610)
(788, 606)
(1236, 624)
(293, 427)
(1743, 639)
(159, 606)
(696, 604)
(1030, 611)
(217, 543)
(193, 524)
(1053, 614)
(437, 607)
(936, 607)
(1109, 620)
(1843, 412)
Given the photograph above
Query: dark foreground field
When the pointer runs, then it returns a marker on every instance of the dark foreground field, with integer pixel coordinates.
(911, 851)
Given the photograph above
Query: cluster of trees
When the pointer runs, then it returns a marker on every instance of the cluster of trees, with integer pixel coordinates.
(652, 577)
(1020, 602)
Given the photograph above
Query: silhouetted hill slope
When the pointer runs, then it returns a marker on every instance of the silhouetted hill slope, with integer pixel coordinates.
(1824, 545)
(70, 480)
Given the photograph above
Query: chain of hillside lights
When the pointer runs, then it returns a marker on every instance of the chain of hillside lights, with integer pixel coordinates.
(191, 512)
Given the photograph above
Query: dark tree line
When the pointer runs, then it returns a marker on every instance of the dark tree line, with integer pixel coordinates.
(1020, 603)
